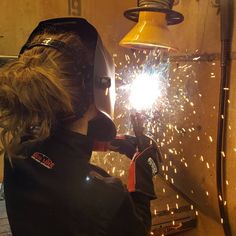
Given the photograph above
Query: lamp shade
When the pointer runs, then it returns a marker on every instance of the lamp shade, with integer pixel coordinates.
(150, 32)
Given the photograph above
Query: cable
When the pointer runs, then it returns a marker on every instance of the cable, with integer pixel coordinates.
(227, 16)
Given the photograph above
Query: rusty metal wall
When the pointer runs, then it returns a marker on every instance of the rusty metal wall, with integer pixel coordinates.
(190, 162)
(19, 17)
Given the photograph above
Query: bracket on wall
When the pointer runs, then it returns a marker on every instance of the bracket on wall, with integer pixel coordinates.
(74, 7)
(4, 59)
(216, 4)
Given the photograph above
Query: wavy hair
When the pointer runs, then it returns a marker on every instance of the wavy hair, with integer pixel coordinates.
(41, 90)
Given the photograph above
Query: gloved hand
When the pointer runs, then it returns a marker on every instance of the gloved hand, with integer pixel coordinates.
(144, 164)
(124, 144)
(143, 167)
(127, 144)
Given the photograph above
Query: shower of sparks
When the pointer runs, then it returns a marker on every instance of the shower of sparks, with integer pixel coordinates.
(142, 86)
(170, 98)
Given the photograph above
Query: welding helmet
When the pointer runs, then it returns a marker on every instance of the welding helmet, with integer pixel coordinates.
(102, 81)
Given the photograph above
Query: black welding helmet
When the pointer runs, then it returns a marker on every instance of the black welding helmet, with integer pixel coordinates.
(102, 80)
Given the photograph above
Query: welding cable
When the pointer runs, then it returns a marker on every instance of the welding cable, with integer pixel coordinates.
(227, 16)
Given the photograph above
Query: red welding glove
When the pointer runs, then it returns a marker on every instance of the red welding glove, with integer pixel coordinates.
(143, 167)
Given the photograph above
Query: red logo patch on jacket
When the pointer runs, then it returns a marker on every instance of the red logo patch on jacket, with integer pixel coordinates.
(43, 160)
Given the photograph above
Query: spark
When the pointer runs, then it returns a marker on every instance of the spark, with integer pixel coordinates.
(174, 96)
(122, 173)
(167, 207)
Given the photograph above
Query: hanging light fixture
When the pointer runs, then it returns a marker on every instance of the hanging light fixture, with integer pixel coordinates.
(151, 31)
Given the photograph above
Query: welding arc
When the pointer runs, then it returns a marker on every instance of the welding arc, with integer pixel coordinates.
(227, 16)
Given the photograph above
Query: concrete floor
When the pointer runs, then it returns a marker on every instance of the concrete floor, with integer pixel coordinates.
(4, 226)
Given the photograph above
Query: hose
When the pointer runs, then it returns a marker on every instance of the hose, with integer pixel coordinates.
(227, 16)
(163, 4)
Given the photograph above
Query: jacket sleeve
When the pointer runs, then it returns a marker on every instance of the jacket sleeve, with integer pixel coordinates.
(133, 218)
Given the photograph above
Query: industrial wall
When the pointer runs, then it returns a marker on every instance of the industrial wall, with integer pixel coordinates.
(191, 157)
(186, 186)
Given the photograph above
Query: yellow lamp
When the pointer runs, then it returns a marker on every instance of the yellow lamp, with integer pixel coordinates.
(150, 32)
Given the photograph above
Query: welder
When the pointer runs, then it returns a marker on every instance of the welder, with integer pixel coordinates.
(56, 101)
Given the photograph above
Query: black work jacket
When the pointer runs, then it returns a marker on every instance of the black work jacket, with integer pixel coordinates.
(56, 191)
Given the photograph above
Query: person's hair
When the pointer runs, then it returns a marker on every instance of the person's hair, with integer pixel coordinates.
(41, 90)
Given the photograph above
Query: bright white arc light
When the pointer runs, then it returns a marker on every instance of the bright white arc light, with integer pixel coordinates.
(145, 90)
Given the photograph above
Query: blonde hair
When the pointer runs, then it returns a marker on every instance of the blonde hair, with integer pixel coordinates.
(41, 90)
